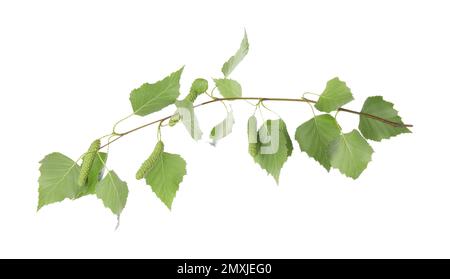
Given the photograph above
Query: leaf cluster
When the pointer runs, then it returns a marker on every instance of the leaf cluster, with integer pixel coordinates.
(269, 144)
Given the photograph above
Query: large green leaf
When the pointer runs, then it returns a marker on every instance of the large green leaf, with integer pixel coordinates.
(274, 147)
(234, 60)
(153, 97)
(350, 154)
(113, 192)
(335, 95)
(58, 179)
(228, 88)
(375, 129)
(223, 129)
(165, 177)
(185, 109)
(315, 135)
(95, 174)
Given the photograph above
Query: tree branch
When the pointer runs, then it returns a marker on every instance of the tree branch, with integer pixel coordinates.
(304, 100)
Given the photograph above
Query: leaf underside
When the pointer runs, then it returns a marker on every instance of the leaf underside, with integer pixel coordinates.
(223, 129)
(190, 122)
(234, 60)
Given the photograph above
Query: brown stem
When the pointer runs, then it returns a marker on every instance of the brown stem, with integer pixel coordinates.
(305, 100)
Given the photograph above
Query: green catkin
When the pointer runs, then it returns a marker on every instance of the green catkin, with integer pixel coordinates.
(198, 87)
(253, 149)
(174, 119)
(88, 160)
(151, 160)
(252, 136)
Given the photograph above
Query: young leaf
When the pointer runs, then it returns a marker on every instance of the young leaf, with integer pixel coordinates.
(228, 88)
(165, 177)
(275, 146)
(113, 192)
(185, 110)
(335, 95)
(350, 154)
(222, 129)
(234, 60)
(58, 179)
(377, 130)
(315, 135)
(95, 174)
(153, 97)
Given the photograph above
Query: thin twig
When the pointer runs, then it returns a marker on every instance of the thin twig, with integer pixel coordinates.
(261, 99)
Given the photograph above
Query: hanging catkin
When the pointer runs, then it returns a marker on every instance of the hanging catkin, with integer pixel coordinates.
(198, 87)
(151, 161)
(174, 119)
(88, 160)
(252, 136)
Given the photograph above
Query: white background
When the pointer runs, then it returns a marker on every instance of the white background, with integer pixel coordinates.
(66, 70)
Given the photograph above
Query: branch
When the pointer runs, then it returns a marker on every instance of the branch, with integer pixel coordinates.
(304, 100)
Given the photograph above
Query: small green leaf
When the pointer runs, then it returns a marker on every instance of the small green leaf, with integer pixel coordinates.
(153, 97)
(234, 60)
(58, 179)
(113, 192)
(350, 154)
(185, 110)
(335, 95)
(274, 147)
(95, 174)
(222, 129)
(376, 130)
(165, 177)
(315, 135)
(228, 88)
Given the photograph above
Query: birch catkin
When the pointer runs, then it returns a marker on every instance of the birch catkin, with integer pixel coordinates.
(252, 136)
(151, 161)
(88, 160)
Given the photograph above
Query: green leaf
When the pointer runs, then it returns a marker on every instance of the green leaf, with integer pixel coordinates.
(222, 129)
(350, 154)
(95, 174)
(58, 179)
(228, 88)
(185, 109)
(335, 95)
(113, 192)
(274, 147)
(165, 177)
(377, 130)
(153, 97)
(315, 135)
(234, 60)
